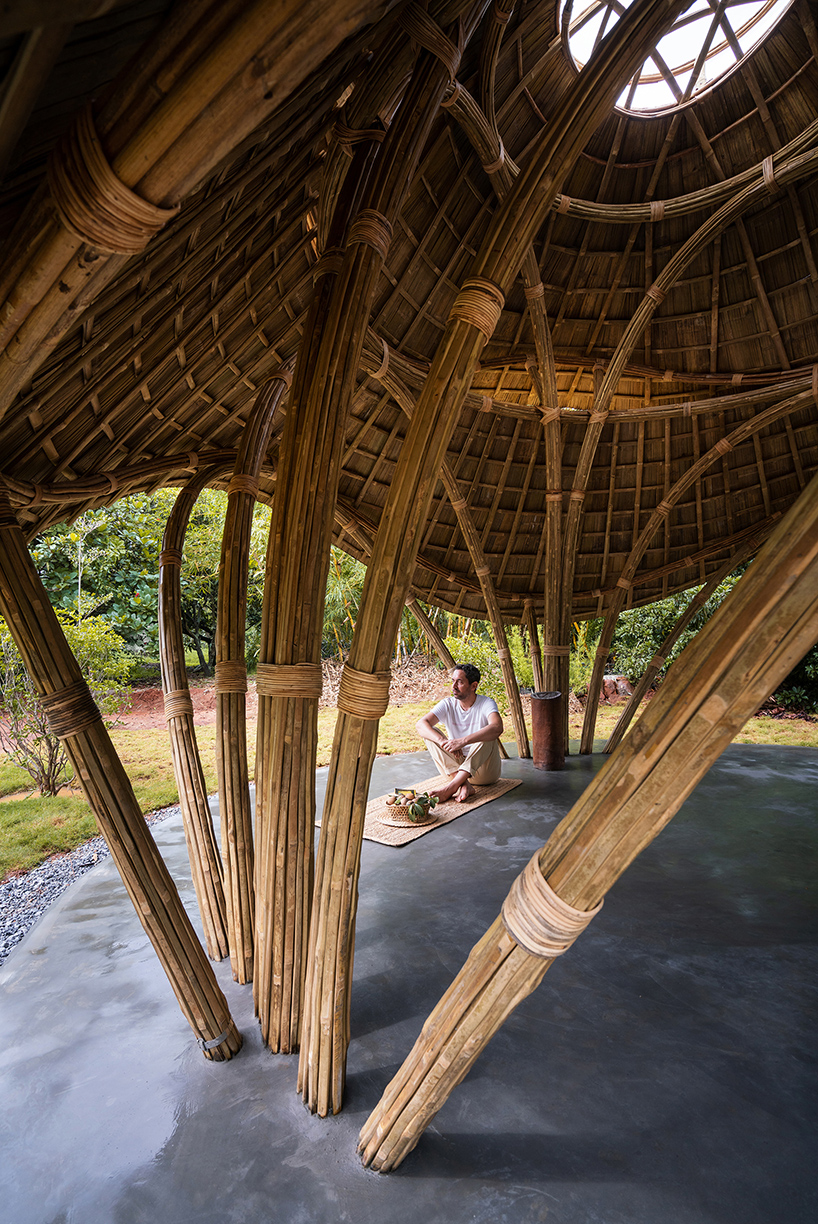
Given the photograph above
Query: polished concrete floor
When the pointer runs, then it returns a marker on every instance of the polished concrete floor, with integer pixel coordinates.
(663, 1071)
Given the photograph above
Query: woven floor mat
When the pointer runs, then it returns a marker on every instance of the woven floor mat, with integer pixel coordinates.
(391, 835)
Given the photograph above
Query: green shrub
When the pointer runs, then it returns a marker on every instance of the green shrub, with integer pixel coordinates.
(25, 735)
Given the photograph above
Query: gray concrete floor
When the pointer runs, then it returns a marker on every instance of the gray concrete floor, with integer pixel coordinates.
(663, 1071)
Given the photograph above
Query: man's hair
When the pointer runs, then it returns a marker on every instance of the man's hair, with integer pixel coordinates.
(469, 670)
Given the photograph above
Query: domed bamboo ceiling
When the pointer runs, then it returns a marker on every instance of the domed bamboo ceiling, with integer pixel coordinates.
(678, 265)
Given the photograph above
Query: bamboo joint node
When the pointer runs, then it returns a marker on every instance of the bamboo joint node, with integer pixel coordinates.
(289, 680)
(384, 366)
(71, 709)
(768, 173)
(242, 483)
(92, 202)
(231, 676)
(480, 304)
(425, 31)
(498, 163)
(329, 264)
(178, 704)
(539, 920)
(373, 229)
(363, 694)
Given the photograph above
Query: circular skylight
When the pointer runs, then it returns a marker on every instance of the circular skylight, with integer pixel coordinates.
(704, 43)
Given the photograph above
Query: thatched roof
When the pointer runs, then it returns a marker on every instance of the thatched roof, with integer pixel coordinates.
(156, 370)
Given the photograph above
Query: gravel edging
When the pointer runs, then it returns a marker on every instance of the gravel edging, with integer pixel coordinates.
(25, 898)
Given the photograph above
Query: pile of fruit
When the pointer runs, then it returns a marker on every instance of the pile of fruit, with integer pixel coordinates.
(418, 805)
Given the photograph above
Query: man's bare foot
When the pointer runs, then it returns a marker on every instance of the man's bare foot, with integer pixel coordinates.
(464, 793)
(451, 790)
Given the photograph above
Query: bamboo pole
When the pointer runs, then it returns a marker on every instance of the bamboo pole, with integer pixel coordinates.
(202, 847)
(757, 635)
(74, 716)
(231, 676)
(530, 620)
(435, 640)
(471, 322)
(658, 661)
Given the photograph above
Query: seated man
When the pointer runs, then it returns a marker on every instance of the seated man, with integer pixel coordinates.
(469, 751)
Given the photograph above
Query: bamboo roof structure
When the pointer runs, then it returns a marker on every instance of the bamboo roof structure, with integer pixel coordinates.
(156, 371)
(439, 295)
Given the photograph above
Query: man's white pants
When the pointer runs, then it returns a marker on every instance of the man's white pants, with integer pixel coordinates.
(482, 761)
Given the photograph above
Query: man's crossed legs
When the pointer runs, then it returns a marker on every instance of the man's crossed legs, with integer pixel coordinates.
(476, 765)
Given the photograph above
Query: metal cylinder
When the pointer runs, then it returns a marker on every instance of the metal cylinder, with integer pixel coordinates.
(547, 739)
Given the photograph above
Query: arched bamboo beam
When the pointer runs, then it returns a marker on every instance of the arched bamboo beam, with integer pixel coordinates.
(789, 171)
(658, 661)
(74, 716)
(202, 848)
(655, 521)
(161, 129)
(301, 531)
(472, 320)
(760, 631)
(231, 676)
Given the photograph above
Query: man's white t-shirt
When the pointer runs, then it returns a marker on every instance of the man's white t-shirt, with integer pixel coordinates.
(460, 722)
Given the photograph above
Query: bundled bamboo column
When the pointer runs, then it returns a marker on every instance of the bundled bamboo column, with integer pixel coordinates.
(231, 676)
(74, 717)
(202, 84)
(202, 848)
(760, 631)
(658, 661)
(289, 674)
(471, 322)
(438, 645)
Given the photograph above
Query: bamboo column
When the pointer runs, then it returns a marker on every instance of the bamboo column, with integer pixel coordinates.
(530, 621)
(603, 650)
(74, 717)
(289, 676)
(202, 848)
(363, 698)
(658, 661)
(757, 635)
(231, 676)
(438, 645)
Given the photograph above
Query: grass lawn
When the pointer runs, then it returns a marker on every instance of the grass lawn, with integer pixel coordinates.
(35, 827)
